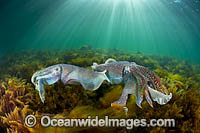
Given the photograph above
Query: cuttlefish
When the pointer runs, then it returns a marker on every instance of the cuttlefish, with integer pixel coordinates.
(68, 74)
(136, 79)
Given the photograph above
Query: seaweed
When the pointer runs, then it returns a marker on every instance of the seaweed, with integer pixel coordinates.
(14, 100)
(19, 98)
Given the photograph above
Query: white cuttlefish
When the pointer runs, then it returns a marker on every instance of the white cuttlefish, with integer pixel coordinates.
(68, 74)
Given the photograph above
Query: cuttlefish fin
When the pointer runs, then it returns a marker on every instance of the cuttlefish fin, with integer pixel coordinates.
(95, 82)
(110, 60)
(41, 90)
(159, 97)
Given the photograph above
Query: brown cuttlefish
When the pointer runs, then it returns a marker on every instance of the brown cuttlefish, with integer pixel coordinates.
(136, 78)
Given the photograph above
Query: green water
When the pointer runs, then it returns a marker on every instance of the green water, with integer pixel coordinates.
(162, 27)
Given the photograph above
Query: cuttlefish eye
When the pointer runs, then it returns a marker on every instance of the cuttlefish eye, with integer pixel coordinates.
(126, 70)
(150, 84)
(35, 80)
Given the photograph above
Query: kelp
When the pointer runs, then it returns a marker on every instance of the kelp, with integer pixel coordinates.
(69, 97)
(19, 98)
(14, 100)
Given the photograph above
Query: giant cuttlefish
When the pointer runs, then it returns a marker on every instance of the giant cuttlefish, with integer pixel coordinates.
(68, 74)
(136, 79)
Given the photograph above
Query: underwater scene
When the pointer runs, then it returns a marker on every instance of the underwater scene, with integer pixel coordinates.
(118, 65)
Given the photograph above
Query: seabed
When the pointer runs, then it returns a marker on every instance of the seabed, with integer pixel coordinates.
(18, 97)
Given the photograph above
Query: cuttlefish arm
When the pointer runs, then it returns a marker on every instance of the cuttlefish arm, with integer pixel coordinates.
(150, 93)
(40, 88)
(154, 87)
(147, 96)
(129, 88)
(153, 79)
(47, 76)
(159, 97)
(134, 84)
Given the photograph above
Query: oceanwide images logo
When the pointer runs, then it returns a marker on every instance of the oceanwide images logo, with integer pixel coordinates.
(47, 121)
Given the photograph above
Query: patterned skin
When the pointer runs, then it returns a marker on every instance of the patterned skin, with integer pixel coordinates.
(136, 79)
